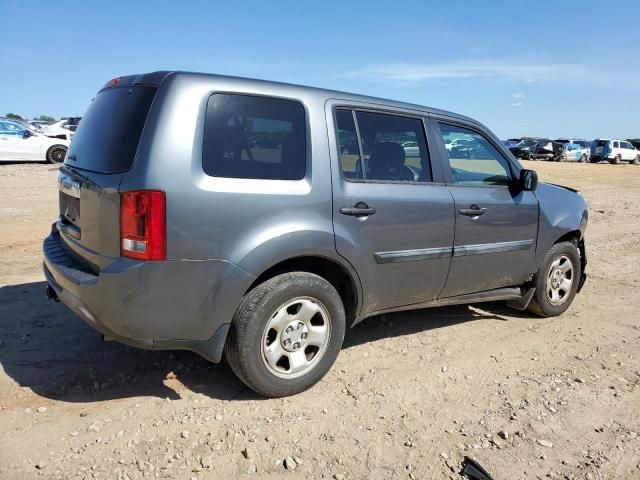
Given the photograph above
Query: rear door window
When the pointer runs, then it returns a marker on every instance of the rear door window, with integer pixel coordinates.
(107, 138)
(350, 160)
(254, 137)
(394, 147)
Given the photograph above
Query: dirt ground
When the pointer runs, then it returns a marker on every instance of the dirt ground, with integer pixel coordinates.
(410, 395)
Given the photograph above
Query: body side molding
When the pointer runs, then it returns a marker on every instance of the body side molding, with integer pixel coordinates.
(395, 256)
(499, 247)
(412, 255)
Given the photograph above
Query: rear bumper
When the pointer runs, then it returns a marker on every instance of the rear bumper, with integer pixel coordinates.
(154, 305)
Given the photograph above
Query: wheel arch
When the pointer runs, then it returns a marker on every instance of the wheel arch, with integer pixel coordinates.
(577, 238)
(337, 273)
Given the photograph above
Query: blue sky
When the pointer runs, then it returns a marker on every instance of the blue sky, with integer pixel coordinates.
(561, 68)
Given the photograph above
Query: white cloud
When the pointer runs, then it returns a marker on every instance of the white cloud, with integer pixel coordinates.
(518, 95)
(417, 72)
(517, 104)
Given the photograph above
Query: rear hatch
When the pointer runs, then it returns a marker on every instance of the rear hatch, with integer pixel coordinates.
(102, 151)
(600, 147)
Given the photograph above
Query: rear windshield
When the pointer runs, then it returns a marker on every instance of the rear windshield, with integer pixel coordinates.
(601, 143)
(107, 138)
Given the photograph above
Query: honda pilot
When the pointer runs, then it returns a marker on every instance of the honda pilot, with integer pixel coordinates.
(259, 220)
(614, 151)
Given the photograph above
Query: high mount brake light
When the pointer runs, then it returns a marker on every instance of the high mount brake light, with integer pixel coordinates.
(113, 82)
(143, 225)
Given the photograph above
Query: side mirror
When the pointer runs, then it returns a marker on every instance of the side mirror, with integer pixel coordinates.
(528, 180)
(27, 134)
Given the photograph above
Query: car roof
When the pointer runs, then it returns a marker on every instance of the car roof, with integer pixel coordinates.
(156, 78)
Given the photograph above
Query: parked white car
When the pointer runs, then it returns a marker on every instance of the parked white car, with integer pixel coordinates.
(19, 143)
(39, 123)
(57, 130)
(614, 151)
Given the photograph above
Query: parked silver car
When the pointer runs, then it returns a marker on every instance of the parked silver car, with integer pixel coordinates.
(231, 215)
(572, 150)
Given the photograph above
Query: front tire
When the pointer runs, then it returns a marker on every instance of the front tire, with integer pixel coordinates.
(56, 154)
(557, 280)
(286, 334)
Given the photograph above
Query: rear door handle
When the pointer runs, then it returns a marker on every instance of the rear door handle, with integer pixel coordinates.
(360, 209)
(472, 211)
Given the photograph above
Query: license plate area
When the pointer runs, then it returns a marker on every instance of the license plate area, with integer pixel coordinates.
(69, 199)
(70, 208)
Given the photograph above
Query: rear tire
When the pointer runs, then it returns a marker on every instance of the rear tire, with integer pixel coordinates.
(557, 281)
(636, 160)
(56, 154)
(286, 334)
(583, 158)
(616, 160)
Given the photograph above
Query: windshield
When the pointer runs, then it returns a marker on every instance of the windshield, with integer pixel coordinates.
(526, 143)
(107, 137)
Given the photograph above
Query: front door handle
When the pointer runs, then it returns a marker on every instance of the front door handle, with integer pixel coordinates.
(472, 211)
(360, 209)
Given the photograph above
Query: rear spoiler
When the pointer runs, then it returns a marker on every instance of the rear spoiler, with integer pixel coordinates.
(153, 79)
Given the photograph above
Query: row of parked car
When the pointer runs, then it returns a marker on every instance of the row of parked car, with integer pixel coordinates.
(36, 140)
(613, 151)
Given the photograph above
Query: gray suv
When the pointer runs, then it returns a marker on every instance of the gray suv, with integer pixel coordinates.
(258, 220)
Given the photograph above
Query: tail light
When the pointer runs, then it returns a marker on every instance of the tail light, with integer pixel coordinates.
(143, 225)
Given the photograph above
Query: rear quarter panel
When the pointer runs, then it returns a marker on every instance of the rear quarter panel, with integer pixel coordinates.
(251, 223)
